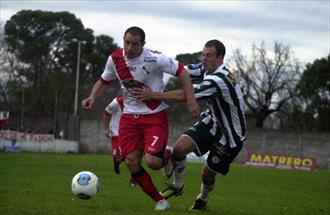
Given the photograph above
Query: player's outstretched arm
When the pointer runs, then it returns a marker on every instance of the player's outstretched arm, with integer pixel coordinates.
(188, 89)
(97, 90)
(146, 94)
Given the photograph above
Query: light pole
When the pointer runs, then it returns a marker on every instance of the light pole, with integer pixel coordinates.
(24, 86)
(22, 108)
(77, 76)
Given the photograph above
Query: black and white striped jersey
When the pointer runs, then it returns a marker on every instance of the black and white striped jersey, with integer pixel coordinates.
(225, 104)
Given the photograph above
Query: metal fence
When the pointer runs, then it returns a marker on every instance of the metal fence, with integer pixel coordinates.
(67, 127)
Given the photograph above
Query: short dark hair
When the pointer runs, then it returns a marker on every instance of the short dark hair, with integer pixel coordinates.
(219, 47)
(136, 31)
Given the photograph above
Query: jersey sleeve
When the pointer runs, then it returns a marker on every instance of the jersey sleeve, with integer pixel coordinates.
(112, 107)
(170, 65)
(212, 86)
(109, 72)
(208, 88)
(195, 71)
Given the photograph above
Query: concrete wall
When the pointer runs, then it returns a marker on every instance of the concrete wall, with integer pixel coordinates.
(315, 145)
(92, 138)
(18, 141)
(291, 144)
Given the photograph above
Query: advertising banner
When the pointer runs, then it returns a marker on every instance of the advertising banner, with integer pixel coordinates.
(280, 161)
(13, 141)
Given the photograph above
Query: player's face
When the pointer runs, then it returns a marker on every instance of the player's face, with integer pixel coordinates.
(209, 59)
(132, 45)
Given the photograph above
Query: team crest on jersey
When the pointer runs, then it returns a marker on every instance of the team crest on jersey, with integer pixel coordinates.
(231, 77)
(215, 160)
(146, 70)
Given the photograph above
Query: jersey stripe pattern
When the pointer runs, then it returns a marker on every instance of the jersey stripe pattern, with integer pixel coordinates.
(148, 68)
(225, 104)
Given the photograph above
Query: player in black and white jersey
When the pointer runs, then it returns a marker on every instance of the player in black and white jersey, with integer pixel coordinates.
(220, 129)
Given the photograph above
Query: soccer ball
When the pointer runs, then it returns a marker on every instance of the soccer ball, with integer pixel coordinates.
(85, 185)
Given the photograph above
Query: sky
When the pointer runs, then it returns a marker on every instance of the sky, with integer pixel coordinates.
(177, 27)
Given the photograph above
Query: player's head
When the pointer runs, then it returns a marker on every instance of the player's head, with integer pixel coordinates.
(213, 54)
(134, 40)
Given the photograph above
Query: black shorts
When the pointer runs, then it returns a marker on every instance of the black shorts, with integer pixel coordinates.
(206, 135)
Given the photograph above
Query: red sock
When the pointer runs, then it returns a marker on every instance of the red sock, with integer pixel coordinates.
(144, 180)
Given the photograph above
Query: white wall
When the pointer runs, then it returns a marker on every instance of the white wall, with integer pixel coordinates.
(17, 141)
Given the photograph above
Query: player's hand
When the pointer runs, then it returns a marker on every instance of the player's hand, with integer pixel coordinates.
(141, 94)
(87, 103)
(108, 133)
(193, 107)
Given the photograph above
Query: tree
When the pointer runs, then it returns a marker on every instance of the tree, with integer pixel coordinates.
(189, 58)
(10, 69)
(268, 82)
(103, 46)
(4, 67)
(314, 92)
(46, 42)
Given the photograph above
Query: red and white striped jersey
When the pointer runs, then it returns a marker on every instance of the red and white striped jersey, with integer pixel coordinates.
(115, 109)
(148, 69)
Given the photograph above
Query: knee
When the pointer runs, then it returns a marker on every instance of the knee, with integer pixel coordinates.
(182, 147)
(132, 161)
(208, 176)
(154, 163)
(179, 151)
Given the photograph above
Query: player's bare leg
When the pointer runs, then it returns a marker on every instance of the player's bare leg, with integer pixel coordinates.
(207, 186)
(153, 162)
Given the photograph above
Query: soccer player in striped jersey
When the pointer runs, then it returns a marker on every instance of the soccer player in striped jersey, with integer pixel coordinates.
(220, 129)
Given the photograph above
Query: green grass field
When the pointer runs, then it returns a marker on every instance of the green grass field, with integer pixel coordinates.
(40, 184)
